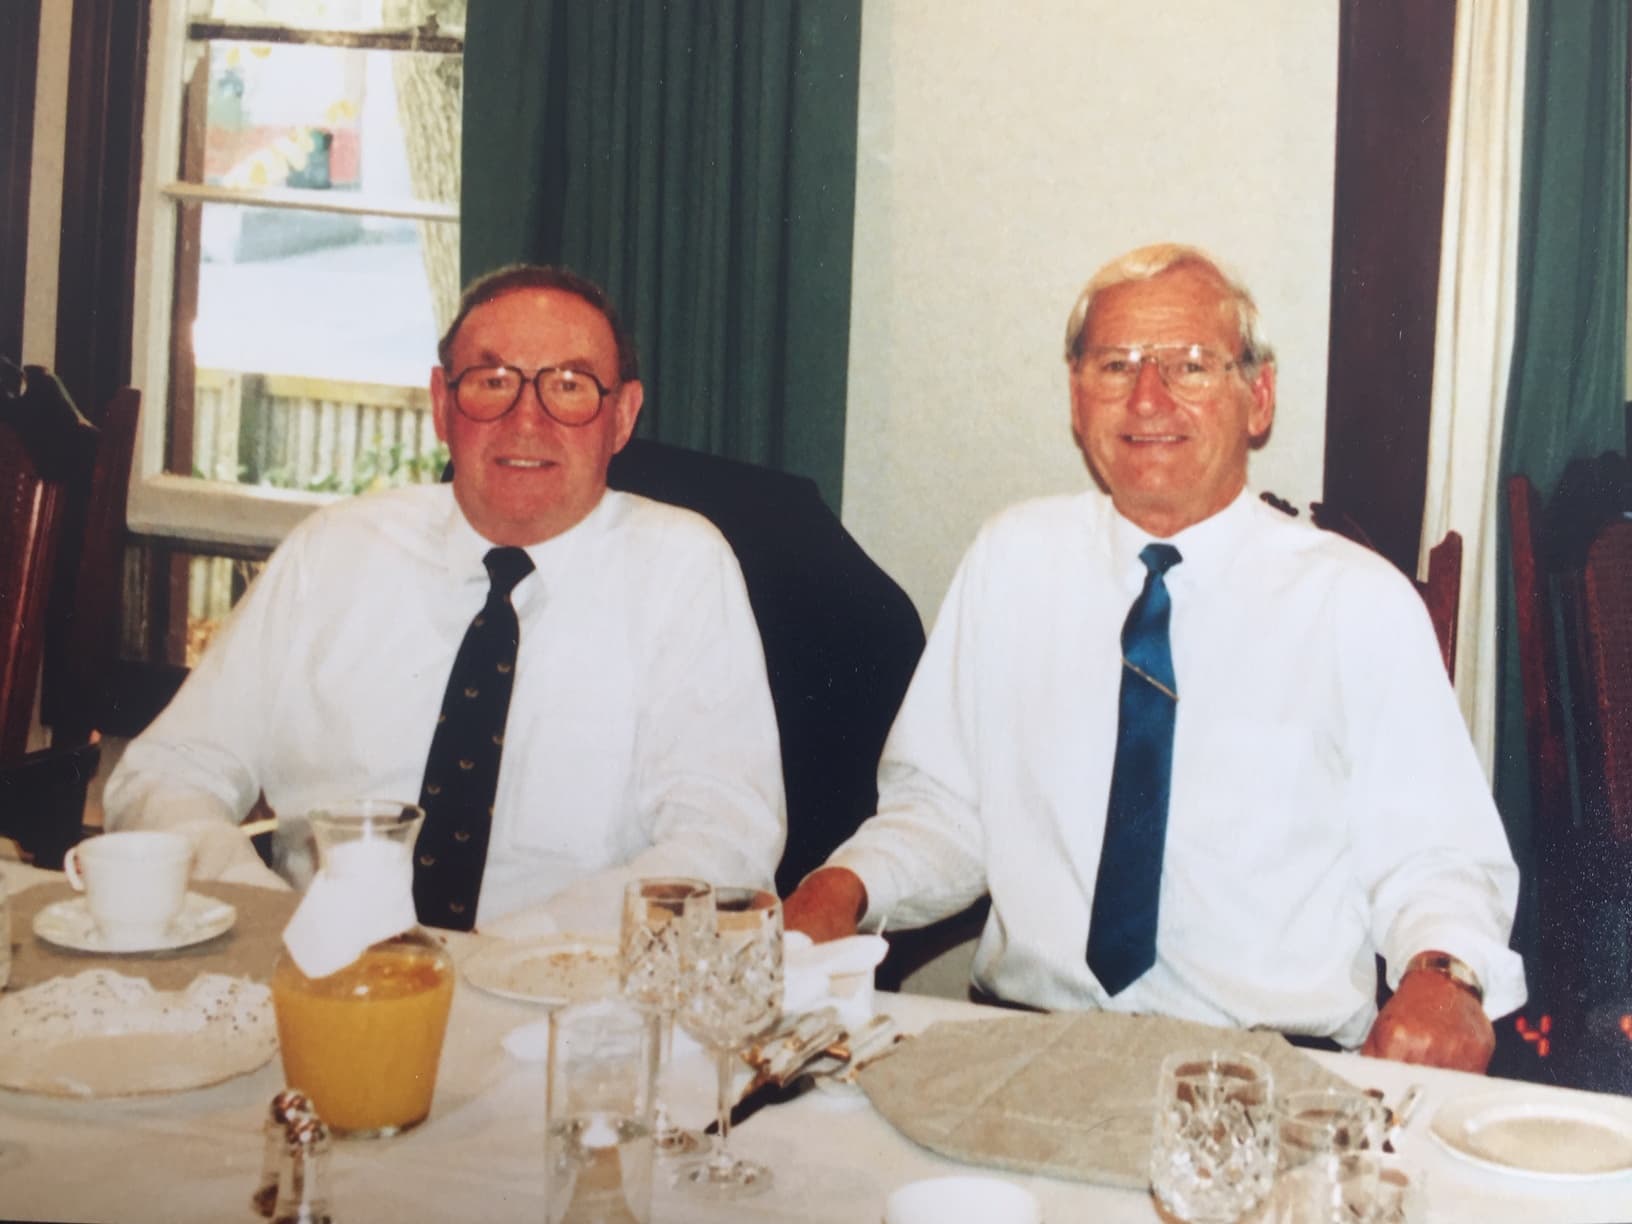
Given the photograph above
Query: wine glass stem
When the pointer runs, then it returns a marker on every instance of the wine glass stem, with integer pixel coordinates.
(663, 1125)
(720, 1156)
(665, 1035)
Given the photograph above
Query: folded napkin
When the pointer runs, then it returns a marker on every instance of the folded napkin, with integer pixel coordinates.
(1072, 1094)
(363, 894)
(837, 974)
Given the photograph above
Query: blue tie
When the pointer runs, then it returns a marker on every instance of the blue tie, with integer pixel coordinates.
(1127, 893)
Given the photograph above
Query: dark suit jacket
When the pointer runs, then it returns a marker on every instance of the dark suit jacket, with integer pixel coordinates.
(841, 638)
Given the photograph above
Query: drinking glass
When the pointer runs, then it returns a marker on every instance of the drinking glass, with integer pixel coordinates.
(660, 918)
(1212, 1157)
(1359, 1186)
(598, 1146)
(731, 993)
(1320, 1121)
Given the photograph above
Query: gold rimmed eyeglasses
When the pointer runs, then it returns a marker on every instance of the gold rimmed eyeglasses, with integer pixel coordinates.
(1189, 371)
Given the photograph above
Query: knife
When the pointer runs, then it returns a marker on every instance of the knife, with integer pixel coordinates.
(825, 1049)
(779, 1064)
(759, 1095)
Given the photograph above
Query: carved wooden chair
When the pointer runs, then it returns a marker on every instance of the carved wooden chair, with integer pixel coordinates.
(61, 478)
(1572, 575)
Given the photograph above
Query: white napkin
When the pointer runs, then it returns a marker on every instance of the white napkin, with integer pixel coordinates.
(836, 974)
(363, 894)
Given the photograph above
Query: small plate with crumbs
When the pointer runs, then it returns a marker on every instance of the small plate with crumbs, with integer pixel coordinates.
(551, 969)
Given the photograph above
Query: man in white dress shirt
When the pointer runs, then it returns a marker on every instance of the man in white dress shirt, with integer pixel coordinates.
(640, 738)
(1325, 802)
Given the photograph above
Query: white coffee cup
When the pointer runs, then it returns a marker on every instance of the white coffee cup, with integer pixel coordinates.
(134, 884)
(939, 1199)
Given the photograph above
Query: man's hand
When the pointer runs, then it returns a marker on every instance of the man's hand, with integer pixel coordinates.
(827, 905)
(1433, 1021)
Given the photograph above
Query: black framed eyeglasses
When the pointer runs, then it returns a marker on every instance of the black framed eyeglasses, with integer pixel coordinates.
(486, 392)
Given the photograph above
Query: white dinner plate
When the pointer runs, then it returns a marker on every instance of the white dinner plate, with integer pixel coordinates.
(551, 969)
(69, 924)
(1530, 1134)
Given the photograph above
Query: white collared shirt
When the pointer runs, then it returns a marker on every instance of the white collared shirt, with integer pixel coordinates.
(641, 739)
(1326, 800)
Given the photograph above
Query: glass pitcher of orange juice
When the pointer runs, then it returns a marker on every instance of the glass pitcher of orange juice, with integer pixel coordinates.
(364, 1042)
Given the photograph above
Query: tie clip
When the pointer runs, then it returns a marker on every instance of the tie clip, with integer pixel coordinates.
(1148, 678)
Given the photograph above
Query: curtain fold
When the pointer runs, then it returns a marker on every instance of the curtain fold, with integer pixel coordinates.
(1478, 283)
(1567, 384)
(697, 158)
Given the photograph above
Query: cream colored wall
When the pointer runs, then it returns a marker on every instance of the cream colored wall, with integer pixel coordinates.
(45, 179)
(1006, 151)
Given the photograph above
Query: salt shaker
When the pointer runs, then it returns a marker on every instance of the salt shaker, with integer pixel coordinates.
(294, 1173)
(303, 1190)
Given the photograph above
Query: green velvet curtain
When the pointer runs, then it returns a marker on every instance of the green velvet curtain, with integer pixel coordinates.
(697, 158)
(1567, 390)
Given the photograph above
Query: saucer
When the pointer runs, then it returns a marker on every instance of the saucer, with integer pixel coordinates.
(69, 924)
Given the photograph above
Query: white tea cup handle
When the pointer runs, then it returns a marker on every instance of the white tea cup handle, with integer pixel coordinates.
(70, 868)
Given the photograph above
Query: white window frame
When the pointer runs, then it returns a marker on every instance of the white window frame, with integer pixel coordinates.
(164, 504)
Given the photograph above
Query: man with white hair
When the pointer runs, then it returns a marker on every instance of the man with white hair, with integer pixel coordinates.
(1203, 757)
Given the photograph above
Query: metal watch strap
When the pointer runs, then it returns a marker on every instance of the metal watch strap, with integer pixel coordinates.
(1457, 970)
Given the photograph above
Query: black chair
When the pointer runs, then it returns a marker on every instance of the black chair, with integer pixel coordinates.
(841, 638)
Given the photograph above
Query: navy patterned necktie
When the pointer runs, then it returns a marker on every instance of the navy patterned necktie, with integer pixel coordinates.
(462, 768)
(1127, 892)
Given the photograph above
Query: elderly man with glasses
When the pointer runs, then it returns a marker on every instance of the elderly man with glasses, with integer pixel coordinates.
(1204, 758)
(405, 644)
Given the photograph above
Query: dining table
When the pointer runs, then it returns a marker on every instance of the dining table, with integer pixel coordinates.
(197, 1155)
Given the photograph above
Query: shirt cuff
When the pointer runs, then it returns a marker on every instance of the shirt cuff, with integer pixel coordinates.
(1500, 970)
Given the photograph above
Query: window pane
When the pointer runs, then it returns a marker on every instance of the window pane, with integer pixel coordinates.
(328, 118)
(304, 336)
(284, 291)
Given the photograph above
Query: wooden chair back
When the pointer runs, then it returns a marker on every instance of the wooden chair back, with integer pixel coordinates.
(1604, 705)
(1572, 579)
(1537, 647)
(1442, 592)
(82, 643)
(45, 444)
(62, 529)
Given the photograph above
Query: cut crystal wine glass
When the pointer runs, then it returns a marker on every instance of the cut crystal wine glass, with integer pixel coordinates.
(732, 993)
(660, 918)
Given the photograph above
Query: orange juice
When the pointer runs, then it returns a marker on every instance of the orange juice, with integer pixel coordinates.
(364, 1043)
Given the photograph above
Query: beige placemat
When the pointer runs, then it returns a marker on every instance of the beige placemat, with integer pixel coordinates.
(1068, 1094)
(248, 950)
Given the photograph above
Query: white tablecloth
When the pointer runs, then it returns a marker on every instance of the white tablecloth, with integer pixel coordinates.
(196, 1156)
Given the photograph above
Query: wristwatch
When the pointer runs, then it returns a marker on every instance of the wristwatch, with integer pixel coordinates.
(1457, 970)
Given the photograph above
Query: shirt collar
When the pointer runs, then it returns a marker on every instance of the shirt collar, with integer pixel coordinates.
(1206, 548)
(463, 547)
